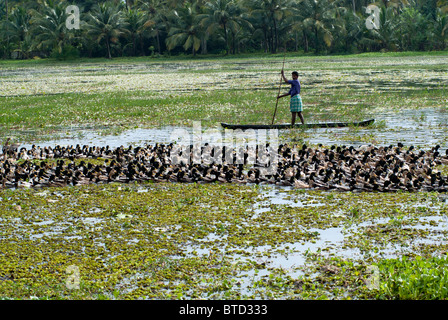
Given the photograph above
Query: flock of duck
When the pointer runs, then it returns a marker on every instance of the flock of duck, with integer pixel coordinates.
(365, 168)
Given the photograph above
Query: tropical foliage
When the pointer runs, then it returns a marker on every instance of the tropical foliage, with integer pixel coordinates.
(154, 27)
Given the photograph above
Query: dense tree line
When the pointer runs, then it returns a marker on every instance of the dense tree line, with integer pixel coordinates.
(158, 27)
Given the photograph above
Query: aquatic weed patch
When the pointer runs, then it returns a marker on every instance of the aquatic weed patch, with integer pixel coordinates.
(405, 278)
(128, 241)
(165, 241)
(108, 232)
(416, 278)
(377, 231)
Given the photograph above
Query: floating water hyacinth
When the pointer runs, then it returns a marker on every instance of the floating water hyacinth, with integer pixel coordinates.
(160, 77)
(159, 240)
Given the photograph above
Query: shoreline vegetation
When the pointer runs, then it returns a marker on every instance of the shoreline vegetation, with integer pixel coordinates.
(219, 57)
(90, 28)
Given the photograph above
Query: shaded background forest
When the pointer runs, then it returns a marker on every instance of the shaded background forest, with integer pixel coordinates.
(117, 28)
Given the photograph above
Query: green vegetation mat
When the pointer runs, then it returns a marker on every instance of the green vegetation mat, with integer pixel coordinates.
(222, 241)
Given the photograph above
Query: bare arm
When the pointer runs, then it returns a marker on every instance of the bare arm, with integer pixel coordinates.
(283, 75)
(286, 80)
(283, 95)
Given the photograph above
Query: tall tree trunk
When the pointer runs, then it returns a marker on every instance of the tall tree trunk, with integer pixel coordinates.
(134, 45)
(158, 43)
(305, 40)
(108, 48)
(8, 51)
(128, 4)
(203, 49)
(204, 44)
(275, 36)
(225, 37)
(297, 41)
(141, 46)
(266, 45)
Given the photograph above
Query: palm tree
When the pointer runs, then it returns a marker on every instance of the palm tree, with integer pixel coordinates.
(440, 30)
(217, 17)
(385, 36)
(157, 20)
(129, 4)
(298, 29)
(395, 3)
(269, 14)
(135, 26)
(412, 29)
(322, 17)
(17, 29)
(49, 26)
(242, 40)
(6, 9)
(277, 10)
(238, 23)
(443, 5)
(357, 5)
(350, 32)
(4, 40)
(105, 25)
(187, 30)
(85, 5)
(260, 22)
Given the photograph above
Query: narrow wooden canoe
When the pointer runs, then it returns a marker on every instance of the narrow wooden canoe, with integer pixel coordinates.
(299, 125)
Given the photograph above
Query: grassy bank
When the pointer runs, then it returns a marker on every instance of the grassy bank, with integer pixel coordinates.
(219, 57)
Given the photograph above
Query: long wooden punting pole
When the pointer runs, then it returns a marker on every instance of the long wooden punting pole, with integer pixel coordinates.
(279, 88)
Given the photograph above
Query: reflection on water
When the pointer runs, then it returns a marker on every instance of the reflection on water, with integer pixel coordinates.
(426, 127)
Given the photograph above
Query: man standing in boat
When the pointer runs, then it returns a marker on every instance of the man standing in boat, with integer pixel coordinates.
(295, 106)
